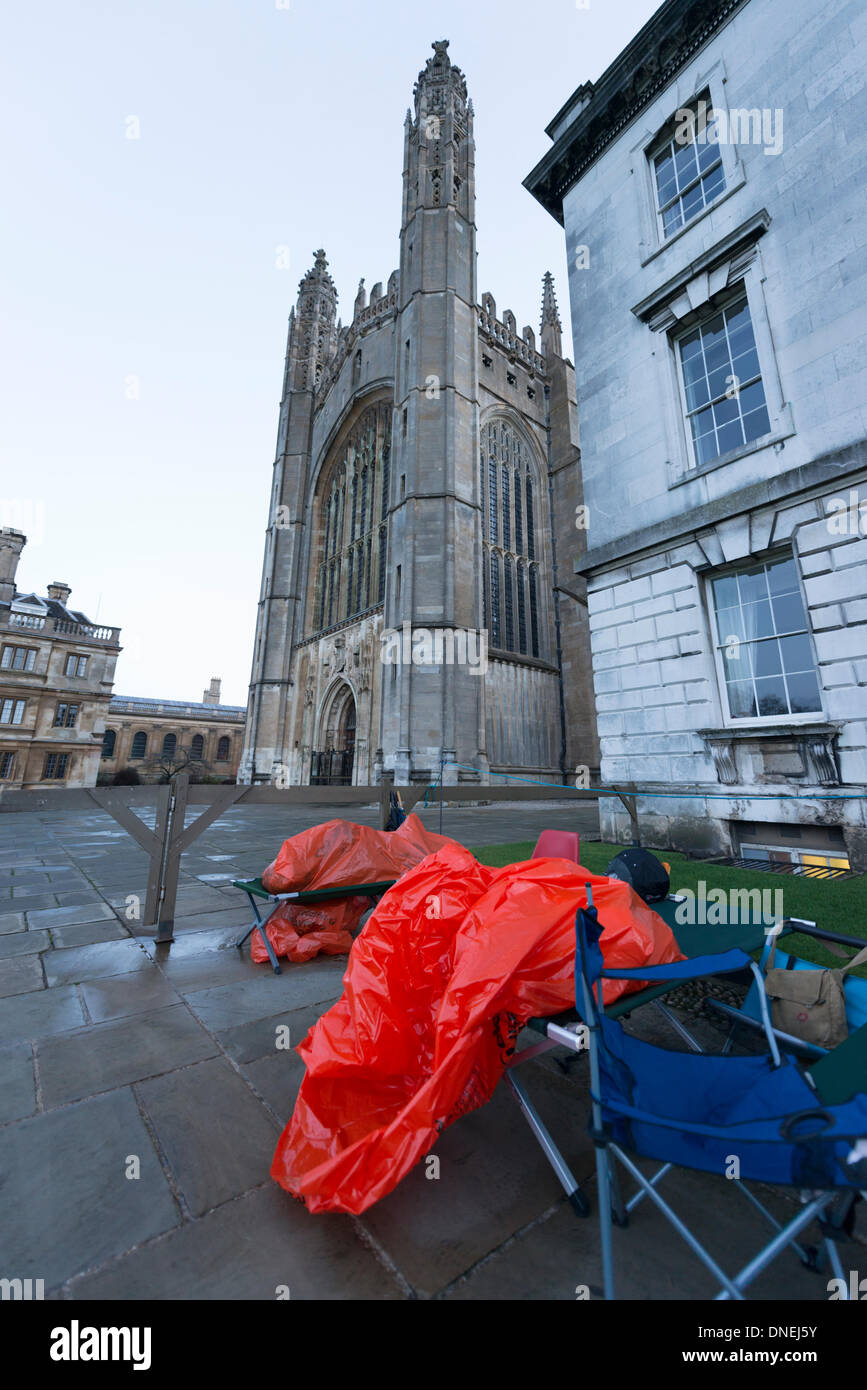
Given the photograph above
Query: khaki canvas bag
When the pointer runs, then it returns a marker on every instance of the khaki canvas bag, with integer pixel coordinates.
(809, 1004)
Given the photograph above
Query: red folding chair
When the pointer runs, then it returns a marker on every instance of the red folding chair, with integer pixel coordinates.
(558, 844)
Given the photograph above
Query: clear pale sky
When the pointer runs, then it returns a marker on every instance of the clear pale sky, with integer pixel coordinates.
(145, 313)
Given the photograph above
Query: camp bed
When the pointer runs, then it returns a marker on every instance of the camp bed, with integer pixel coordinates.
(255, 890)
(744, 931)
(790, 1127)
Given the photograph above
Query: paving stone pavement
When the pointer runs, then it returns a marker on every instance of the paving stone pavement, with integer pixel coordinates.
(143, 1088)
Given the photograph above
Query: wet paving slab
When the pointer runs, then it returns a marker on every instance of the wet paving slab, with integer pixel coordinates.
(119, 996)
(41, 1014)
(107, 1055)
(260, 1246)
(88, 933)
(17, 1082)
(259, 996)
(558, 1258)
(77, 963)
(76, 1206)
(20, 974)
(216, 1137)
(24, 943)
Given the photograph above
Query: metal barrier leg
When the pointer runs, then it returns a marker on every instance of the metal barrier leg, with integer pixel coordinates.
(569, 1182)
(262, 932)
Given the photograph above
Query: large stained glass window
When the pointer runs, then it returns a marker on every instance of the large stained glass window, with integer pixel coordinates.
(512, 596)
(352, 500)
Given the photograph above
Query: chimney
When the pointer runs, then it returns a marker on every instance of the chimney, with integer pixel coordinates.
(212, 694)
(59, 592)
(11, 545)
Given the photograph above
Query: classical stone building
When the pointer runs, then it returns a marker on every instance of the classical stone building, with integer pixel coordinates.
(56, 674)
(713, 189)
(425, 485)
(154, 737)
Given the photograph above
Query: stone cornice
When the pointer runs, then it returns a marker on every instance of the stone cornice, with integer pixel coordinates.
(732, 253)
(830, 469)
(645, 68)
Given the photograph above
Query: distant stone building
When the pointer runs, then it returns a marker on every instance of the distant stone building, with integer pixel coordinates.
(56, 674)
(153, 737)
(425, 490)
(713, 189)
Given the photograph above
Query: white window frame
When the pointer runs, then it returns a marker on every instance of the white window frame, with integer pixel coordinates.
(689, 89)
(727, 270)
(756, 721)
(663, 141)
(677, 336)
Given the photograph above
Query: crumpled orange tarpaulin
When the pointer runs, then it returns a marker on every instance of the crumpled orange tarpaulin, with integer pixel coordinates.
(335, 854)
(340, 852)
(449, 967)
(301, 932)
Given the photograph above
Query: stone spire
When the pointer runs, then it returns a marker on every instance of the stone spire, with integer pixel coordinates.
(551, 325)
(439, 150)
(312, 331)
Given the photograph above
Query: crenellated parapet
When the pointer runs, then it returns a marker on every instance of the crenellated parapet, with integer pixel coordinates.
(504, 335)
(378, 309)
(367, 318)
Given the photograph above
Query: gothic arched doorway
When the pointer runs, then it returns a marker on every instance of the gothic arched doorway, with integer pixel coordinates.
(332, 761)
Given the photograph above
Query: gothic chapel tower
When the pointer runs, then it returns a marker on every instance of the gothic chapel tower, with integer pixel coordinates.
(435, 525)
(426, 475)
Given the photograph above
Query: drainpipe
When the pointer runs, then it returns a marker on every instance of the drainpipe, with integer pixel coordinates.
(555, 587)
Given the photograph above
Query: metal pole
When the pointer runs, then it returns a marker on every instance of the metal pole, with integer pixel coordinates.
(442, 763)
(384, 803)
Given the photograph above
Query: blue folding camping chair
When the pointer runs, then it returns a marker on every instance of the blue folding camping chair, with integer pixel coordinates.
(693, 1110)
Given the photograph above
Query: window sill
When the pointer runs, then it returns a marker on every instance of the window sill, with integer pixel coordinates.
(694, 221)
(784, 429)
(788, 727)
(815, 743)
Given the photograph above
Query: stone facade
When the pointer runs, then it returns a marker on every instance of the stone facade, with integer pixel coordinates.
(426, 481)
(137, 728)
(56, 674)
(689, 691)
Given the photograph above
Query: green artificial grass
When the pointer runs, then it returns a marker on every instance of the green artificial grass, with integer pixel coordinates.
(838, 905)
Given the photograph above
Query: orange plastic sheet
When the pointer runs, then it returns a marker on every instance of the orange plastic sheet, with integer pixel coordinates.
(302, 932)
(341, 852)
(447, 970)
